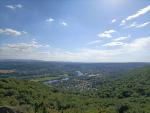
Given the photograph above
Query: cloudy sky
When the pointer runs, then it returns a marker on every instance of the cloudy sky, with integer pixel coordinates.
(75, 30)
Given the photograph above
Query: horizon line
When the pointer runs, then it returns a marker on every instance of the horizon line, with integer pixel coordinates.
(74, 61)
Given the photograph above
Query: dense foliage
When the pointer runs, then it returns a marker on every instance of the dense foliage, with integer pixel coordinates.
(129, 93)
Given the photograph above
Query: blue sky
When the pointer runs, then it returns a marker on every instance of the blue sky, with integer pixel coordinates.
(75, 30)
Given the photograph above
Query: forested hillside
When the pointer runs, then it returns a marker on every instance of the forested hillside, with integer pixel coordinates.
(129, 93)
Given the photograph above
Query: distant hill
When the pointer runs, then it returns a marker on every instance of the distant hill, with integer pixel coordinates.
(39, 68)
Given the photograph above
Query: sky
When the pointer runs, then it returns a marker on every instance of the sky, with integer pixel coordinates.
(75, 30)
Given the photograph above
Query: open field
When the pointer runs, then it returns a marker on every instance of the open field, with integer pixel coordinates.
(41, 79)
(7, 71)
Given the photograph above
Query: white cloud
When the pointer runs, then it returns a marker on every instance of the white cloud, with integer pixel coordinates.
(122, 22)
(120, 38)
(24, 32)
(136, 25)
(11, 32)
(113, 21)
(94, 42)
(135, 51)
(49, 20)
(24, 46)
(107, 34)
(140, 44)
(109, 31)
(64, 24)
(13, 7)
(142, 25)
(137, 14)
(113, 44)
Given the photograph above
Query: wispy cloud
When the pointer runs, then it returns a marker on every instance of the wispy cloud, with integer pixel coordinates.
(113, 21)
(107, 34)
(11, 32)
(127, 52)
(24, 46)
(142, 25)
(137, 14)
(113, 44)
(121, 38)
(136, 25)
(49, 20)
(64, 23)
(94, 42)
(13, 7)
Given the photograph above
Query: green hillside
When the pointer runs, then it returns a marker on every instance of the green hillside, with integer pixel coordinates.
(129, 93)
